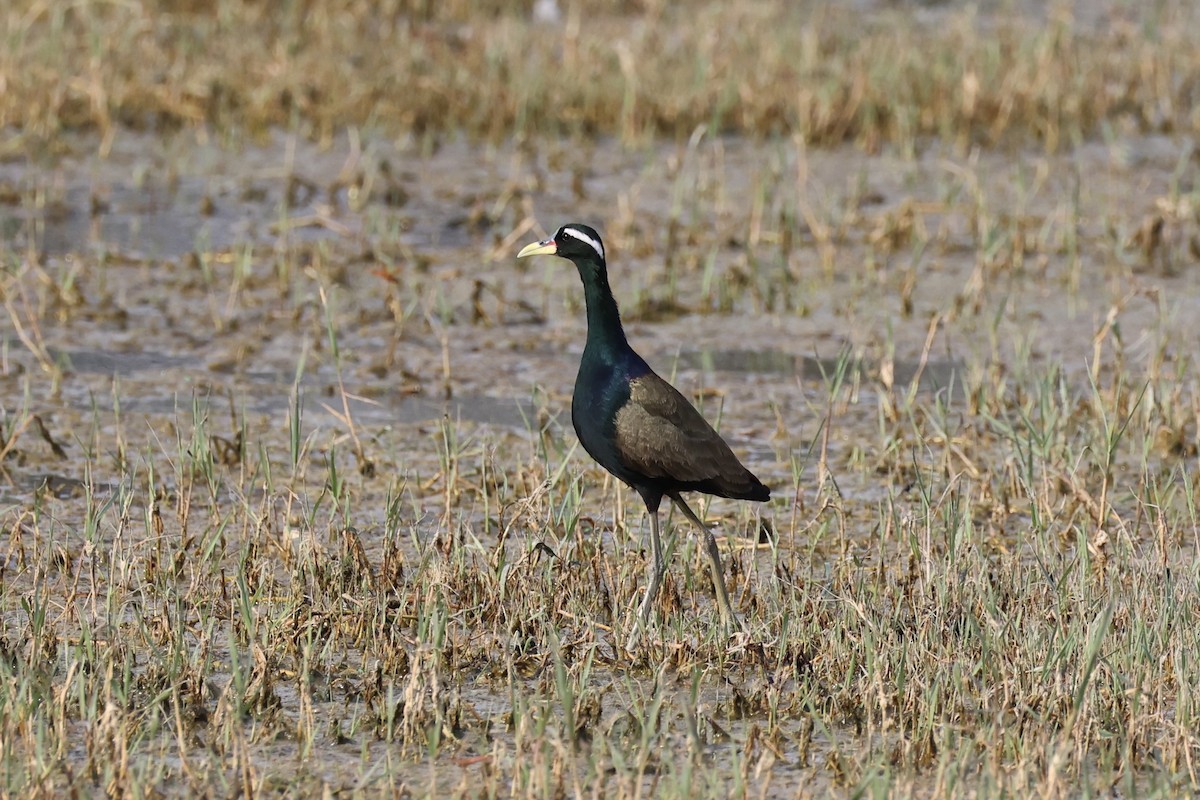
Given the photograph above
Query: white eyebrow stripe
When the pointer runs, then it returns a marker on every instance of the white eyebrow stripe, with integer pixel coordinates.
(583, 237)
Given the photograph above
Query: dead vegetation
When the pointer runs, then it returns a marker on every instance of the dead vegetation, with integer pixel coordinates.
(890, 76)
(299, 510)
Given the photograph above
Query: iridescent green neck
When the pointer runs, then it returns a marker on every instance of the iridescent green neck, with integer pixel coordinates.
(603, 318)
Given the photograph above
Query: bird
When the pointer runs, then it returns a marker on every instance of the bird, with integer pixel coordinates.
(639, 427)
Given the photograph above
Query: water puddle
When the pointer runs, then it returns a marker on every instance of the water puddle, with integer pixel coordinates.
(100, 362)
(931, 376)
(412, 410)
(269, 392)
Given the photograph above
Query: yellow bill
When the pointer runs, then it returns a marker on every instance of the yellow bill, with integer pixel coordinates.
(546, 248)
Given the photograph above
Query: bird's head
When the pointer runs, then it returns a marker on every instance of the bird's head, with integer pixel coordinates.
(575, 242)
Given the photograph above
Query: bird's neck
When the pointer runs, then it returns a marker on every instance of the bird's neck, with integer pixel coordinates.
(604, 320)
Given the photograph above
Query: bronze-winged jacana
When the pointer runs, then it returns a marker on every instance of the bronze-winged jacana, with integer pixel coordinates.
(639, 427)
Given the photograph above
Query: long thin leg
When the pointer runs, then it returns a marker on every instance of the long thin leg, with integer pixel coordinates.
(654, 582)
(728, 616)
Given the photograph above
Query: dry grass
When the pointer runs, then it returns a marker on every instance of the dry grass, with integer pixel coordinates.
(245, 552)
(888, 77)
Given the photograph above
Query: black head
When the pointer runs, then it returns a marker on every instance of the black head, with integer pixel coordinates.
(576, 242)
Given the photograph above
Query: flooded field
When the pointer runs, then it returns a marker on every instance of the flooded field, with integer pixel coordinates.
(293, 504)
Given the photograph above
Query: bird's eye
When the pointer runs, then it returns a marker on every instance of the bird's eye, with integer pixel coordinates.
(583, 237)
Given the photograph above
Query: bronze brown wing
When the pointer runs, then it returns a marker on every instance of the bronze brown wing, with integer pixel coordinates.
(662, 436)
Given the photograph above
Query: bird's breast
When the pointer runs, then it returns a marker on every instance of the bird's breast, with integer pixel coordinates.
(601, 389)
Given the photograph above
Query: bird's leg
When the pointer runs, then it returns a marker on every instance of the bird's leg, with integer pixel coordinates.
(657, 568)
(728, 616)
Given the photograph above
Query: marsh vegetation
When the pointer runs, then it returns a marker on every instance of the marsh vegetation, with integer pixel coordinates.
(290, 497)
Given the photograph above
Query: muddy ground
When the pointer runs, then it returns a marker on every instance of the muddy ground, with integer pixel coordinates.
(171, 306)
